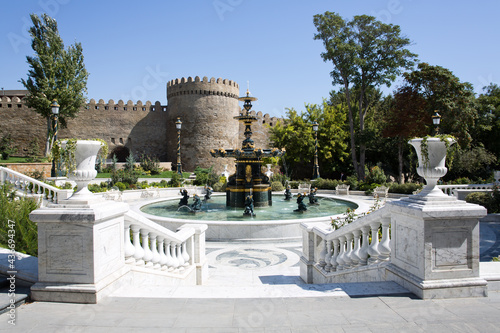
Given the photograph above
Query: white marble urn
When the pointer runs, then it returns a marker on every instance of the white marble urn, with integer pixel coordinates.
(431, 166)
(85, 157)
(496, 175)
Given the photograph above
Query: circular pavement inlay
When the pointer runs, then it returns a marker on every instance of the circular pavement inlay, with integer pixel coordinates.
(246, 258)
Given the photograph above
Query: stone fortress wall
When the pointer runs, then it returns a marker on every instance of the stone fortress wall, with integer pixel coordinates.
(206, 108)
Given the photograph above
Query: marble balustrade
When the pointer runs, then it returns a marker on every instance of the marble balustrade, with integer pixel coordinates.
(349, 246)
(32, 187)
(150, 245)
(451, 189)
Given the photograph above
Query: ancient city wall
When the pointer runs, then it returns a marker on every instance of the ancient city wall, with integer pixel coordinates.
(206, 108)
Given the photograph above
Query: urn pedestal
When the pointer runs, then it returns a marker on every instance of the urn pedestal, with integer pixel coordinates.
(435, 237)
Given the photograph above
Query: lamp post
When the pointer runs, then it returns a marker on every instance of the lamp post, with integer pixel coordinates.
(316, 166)
(55, 114)
(178, 125)
(436, 120)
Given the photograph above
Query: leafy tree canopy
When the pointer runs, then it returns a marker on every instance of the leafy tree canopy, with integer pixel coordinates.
(295, 134)
(365, 53)
(444, 93)
(55, 73)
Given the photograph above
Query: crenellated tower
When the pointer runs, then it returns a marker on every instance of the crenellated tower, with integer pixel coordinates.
(206, 108)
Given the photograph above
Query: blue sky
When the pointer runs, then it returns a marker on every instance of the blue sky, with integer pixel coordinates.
(132, 48)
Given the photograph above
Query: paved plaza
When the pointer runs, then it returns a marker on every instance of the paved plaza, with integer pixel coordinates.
(255, 287)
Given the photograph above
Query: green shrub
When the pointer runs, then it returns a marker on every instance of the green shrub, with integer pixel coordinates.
(14, 215)
(96, 188)
(353, 182)
(121, 186)
(279, 177)
(325, 184)
(124, 176)
(6, 147)
(205, 176)
(461, 181)
(294, 184)
(220, 187)
(376, 175)
(489, 200)
(277, 186)
(175, 181)
(407, 188)
(151, 164)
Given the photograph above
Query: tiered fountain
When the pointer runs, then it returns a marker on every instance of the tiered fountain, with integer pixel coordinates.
(248, 178)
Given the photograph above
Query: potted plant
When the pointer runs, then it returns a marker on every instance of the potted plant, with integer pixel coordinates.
(77, 158)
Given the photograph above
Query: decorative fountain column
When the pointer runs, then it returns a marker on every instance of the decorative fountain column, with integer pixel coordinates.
(248, 178)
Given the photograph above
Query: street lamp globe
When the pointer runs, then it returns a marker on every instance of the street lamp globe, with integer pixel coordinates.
(55, 107)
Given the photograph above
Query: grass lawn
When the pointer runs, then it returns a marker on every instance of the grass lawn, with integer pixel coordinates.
(19, 160)
(164, 174)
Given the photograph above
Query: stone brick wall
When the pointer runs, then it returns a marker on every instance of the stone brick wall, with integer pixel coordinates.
(28, 168)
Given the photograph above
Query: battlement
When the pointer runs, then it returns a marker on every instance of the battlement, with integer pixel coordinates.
(122, 106)
(7, 101)
(218, 87)
(266, 118)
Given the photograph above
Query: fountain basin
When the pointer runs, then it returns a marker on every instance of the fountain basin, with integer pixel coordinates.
(247, 228)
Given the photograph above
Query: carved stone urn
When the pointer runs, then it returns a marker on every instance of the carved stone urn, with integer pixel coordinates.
(85, 157)
(431, 163)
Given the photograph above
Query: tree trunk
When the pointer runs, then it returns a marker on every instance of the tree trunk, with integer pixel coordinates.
(351, 130)
(48, 146)
(400, 159)
(362, 144)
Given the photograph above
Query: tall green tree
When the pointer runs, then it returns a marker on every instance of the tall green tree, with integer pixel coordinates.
(365, 53)
(487, 128)
(444, 93)
(55, 73)
(405, 118)
(295, 134)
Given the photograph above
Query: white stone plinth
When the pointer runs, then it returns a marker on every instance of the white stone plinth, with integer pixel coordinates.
(80, 251)
(435, 247)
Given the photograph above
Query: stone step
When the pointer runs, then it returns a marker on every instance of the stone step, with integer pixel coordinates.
(350, 290)
(11, 298)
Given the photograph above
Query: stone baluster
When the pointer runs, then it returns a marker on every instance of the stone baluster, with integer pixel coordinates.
(185, 254)
(384, 247)
(39, 190)
(168, 253)
(340, 257)
(175, 260)
(363, 252)
(335, 254)
(373, 248)
(322, 253)
(179, 256)
(138, 250)
(148, 254)
(328, 255)
(129, 248)
(163, 257)
(154, 248)
(355, 253)
(347, 256)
